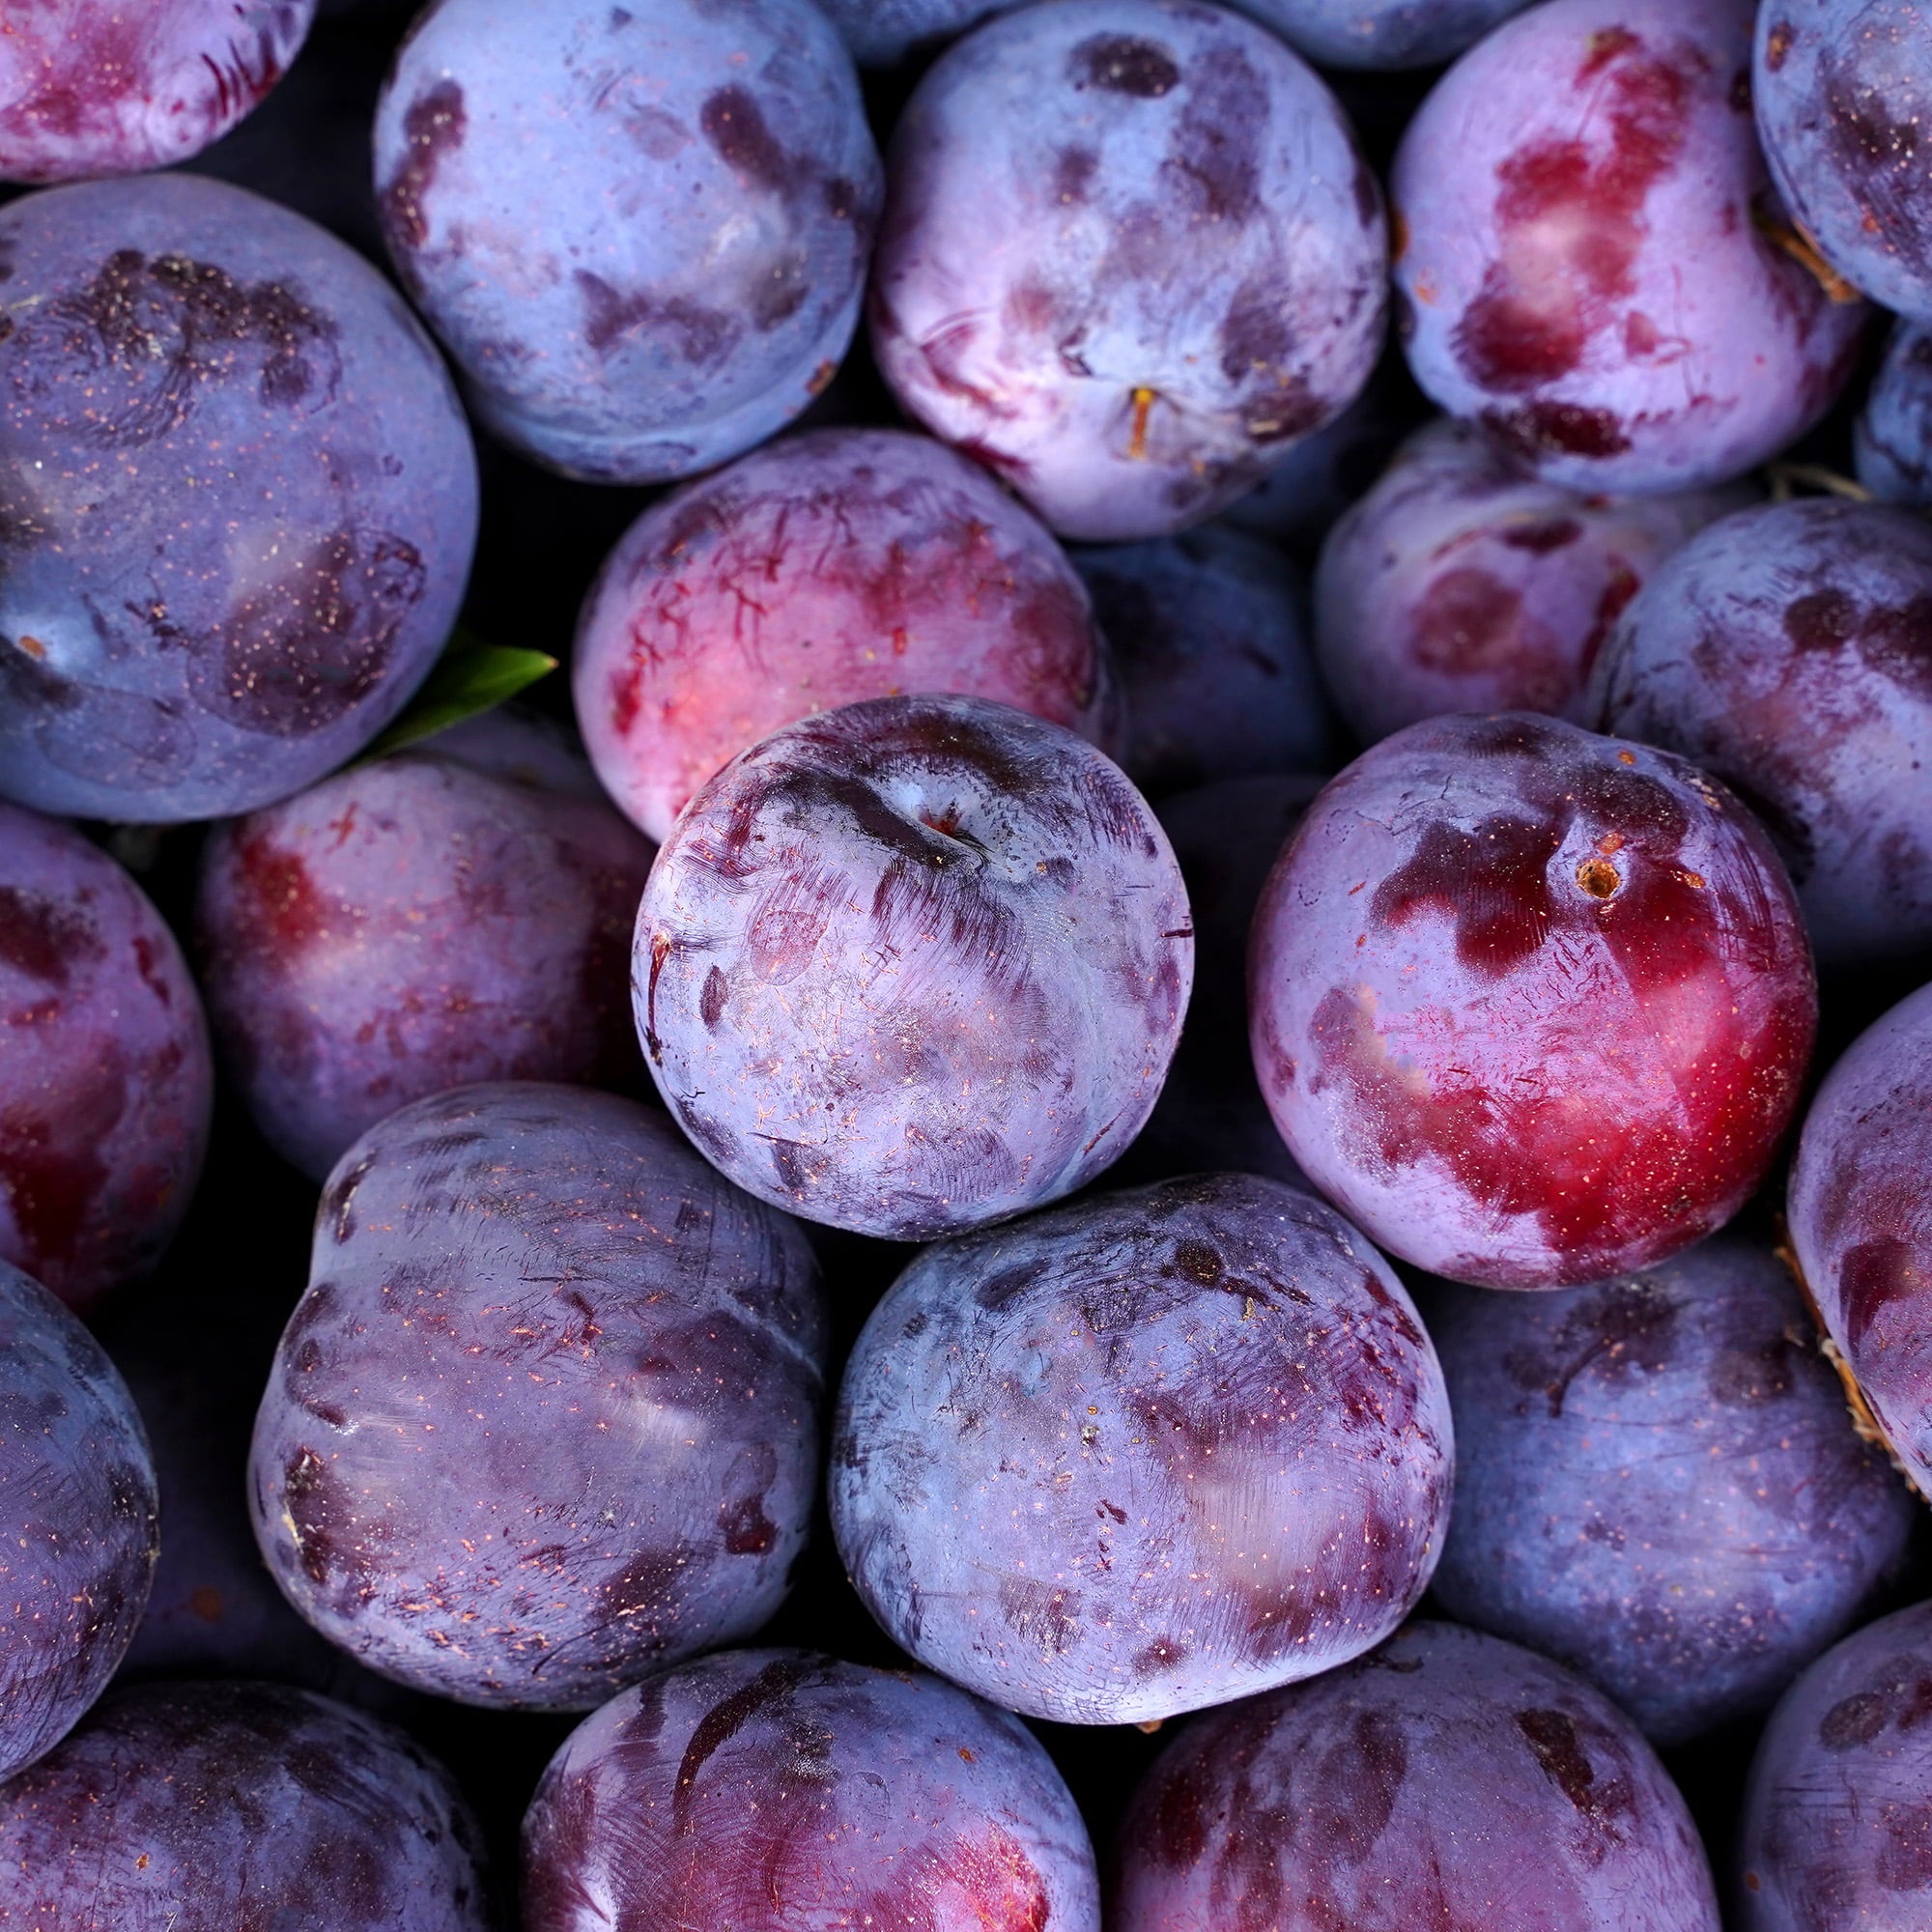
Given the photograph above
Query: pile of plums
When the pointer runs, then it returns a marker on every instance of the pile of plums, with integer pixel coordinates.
(1159, 1160)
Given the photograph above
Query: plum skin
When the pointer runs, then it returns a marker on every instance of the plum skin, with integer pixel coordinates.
(1658, 1484)
(78, 1521)
(1448, 1779)
(913, 965)
(1143, 1454)
(1892, 440)
(1858, 1223)
(832, 566)
(490, 1264)
(761, 1785)
(1531, 1006)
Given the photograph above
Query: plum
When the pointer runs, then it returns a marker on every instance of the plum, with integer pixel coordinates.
(1837, 1826)
(768, 1789)
(1531, 1006)
(1463, 582)
(215, 1807)
(1147, 1453)
(913, 965)
(1892, 440)
(1657, 1483)
(642, 230)
(1789, 650)
(423, 921)
(1860, 1216)
(1380, 34)
(1211, 637)
(1593, 263)
(833, 566)
(97, 87)
(883, 32)
(77, 1524)
(545, 1418)
(1449, 1779)
(106, 1083)
(238, 500)
(1130, 254)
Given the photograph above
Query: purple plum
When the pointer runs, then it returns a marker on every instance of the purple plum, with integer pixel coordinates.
(1531, 1006)
(547, 1418)
(238, 500)
(769, 1789)
(1380, 34)
(1151, 1452)
(1448, 1780)
(106, 1080)
(883, 32)
(1131, 255)
(913, 965)
(642, 230)
(1892, 440)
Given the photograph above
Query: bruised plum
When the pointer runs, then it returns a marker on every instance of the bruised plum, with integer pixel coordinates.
(767, 1789)
(77, 1526)
(1789, 650)
(1463, 582)
(1131, 255)
(1860, 1214)
(455, 913)
(1891, 440)
(833, 566)
(545, 1418)
(1152, 1452)
(641, 230)
(225, 1807)
(105, 1081)
(1595, 265)
(914, 965)
(238, 500)
(100, 87)
(1657, 1483)
(1450, 1779)
(1531, 1006)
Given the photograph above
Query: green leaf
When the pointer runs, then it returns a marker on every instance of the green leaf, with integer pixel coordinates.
(471, 677)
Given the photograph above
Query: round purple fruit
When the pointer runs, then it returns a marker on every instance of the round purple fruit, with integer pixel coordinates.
(1130, 256)
(238, 500)
(105, 1081)
(767, 1789)
(914, 965)
(1153, 1452)
(1531, 1006)
(642, 230)
(1892, 440)
(1450, 1779)
(547, 1418)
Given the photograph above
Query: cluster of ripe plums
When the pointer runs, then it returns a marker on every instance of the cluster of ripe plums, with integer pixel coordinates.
(1148, 1050)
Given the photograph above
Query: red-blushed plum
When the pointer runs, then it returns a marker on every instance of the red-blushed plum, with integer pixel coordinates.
(547, 1417)
(1450, 1779)
(1531, 1006)
(1594, 263)
(238, 500)
(1208, 631)
(1211, 1114)
(764, 1790)
(1789, 650)
(445, 915)
(1463, 582)
(1836, 1834)
(106, 1080)
(1892, 440)
(913, 965)
(641, 230)
(1658, 1484)
(98, 87)
(1861, 1217)
(77, 1522)
(832, 567)
(1154, 1451)
(1130, 255)
(224, 1808)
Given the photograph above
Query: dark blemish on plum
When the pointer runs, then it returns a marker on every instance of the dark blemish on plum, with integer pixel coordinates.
(1176, 1834)
(768, 1694)
(434, 125)
(1256, 333)
(1040, 1612)
(43, 938)
(1493, 882)
(1466, 621)
(1005, 1285)
(1073, 174)
(1626, 1327)
(1559, 1751)
(1749, 1376)
(1853, 1721)
(1120, 63)
(319, 1512)
(1566, 429)
(1198, 1262)
(1545, 534)
(1162, 1655)
(1214, 156)
(734, 125)
(711, 999)
(747, 1530)
(1873, 1275)
(1599, 877)
(704, 334)
(53, 1184)
(287, 909)
(1777, 43)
